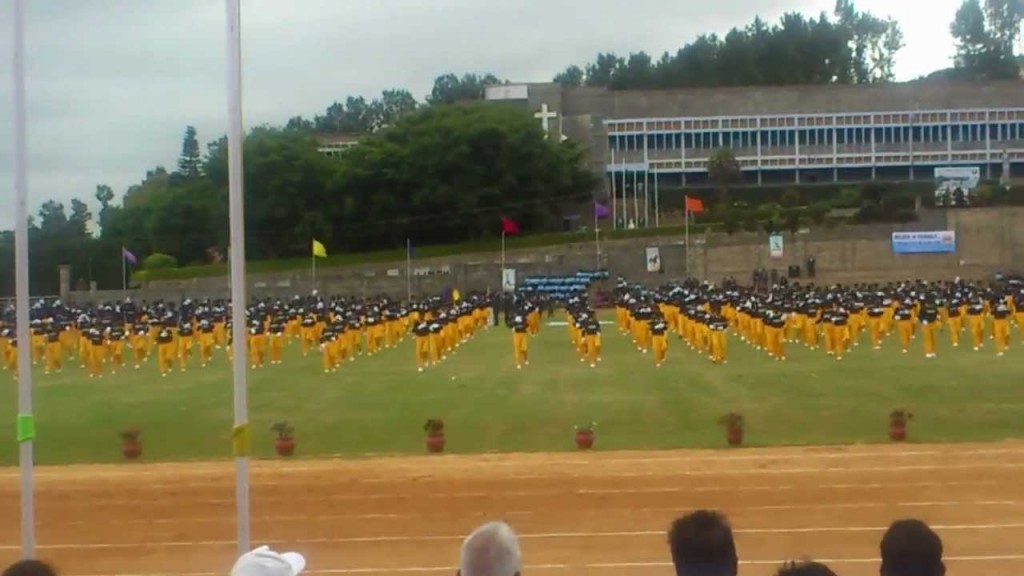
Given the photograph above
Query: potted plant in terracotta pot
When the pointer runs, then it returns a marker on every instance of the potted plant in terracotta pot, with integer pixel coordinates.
(435, 434)
(284, 445)
(898, 424)
(131, 446)
(734, 425)
(585, 436)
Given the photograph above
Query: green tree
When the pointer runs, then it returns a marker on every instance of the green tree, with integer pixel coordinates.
(985, 37)
(450, 173)
(449, 88)
(571, 76)
(190, 160)
(724, 171)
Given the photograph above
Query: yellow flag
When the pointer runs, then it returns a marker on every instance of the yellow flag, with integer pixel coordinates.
(455, 295)
(319, 250)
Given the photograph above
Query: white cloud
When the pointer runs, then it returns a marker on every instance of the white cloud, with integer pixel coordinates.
(113, 83)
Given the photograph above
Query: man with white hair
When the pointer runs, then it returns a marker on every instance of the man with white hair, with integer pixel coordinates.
(265, 562)
(491, 550)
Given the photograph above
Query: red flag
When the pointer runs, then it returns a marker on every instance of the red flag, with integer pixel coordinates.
(509, 226)
(694, 205)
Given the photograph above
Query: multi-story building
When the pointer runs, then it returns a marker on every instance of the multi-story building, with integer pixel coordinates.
(805, 134)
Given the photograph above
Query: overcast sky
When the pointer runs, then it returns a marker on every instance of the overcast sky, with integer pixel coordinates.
(113, 83)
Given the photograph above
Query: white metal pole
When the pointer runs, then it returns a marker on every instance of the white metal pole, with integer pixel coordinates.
(636, 201)
(314, 271)
(625, 206)
(615, 223)
(503, 258)
(657, 203)
(597, 241)
(647, 198)
(686, 238)
(26, 422)
(239, 301)
(408, 270)
(124, 275)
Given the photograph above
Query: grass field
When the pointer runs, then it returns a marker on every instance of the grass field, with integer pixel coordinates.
(378, 404)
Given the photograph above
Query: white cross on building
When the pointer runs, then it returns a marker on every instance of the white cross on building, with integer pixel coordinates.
(545, 116)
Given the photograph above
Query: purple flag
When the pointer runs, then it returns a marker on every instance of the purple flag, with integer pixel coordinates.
(129, 257)
(601, 211)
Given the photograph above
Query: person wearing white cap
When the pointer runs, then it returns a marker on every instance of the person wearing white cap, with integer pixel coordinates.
(265, 562)
(491, 550)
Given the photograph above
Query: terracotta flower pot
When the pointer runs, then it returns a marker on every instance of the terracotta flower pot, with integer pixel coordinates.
(734, 435)
(131, 449)
(897, 431)
(435, 443)
(284, 446)
(584, 439)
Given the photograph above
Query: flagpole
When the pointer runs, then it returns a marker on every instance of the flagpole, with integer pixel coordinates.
(615, 223)
(26, 424)
(597, 241)
(408, 270)
(625, 207)
(636, 202)
(314, 270)
(236, 197)
(647, 197)
(657, 204)
(503, 257)
(686, 236)
(124, 275)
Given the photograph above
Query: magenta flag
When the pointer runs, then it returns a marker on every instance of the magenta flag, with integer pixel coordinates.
(129, 257)
(601, 211)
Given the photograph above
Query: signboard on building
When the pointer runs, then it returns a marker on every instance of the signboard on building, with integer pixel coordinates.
(775, 247)
(954, 185)
(653, 259)
(508, 280)
(507, 92)
(938, 242)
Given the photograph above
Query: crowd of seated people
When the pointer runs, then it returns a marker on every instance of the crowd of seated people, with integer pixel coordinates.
(700, 544)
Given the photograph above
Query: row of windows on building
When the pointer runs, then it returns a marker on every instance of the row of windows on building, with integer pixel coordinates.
(791, 137)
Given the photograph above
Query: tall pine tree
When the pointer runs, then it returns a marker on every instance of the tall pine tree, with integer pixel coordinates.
(190, 160)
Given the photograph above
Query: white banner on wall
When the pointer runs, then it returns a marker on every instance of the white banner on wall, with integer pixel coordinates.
(775, 247)
(508, 280)
(653, 259)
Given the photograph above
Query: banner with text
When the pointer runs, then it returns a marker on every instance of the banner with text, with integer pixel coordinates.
(775, 247)
(937, 242)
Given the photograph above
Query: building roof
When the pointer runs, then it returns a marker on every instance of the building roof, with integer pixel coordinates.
(764, 100)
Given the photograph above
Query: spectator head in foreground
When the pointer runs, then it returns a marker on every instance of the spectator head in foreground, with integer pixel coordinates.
(805, 569)
(911, 548)
(265, 562)
(702, 545)
(491, 550)
(29, 568)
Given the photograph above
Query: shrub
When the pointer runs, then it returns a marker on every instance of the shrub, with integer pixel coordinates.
(818, 212)
(790, 198)
(158, 261)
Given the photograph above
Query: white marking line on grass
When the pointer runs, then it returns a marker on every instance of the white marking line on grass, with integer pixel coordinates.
(58, 473)
(606, 565)
(220, 519)
(576, 492)
(538, 536)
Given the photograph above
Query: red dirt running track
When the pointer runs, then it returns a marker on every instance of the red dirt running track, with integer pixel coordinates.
(602, 513)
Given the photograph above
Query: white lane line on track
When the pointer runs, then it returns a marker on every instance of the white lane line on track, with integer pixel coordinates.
(305, 518)
(55, 473)
(42, 501)
(256, 483)
(537, 536)
(609, 565)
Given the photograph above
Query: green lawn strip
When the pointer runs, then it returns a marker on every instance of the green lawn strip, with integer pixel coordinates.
(377, 405)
